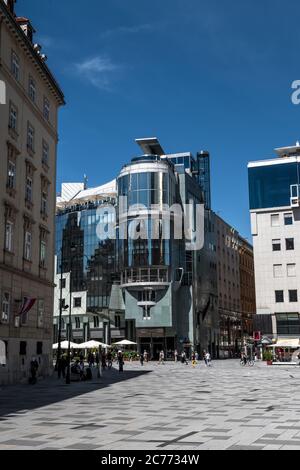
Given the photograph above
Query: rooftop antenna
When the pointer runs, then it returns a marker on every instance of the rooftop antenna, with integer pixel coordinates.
(85, 180)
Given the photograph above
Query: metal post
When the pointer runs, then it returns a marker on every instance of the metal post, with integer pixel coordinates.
(68, 376)
(60, 316)
(100, 363)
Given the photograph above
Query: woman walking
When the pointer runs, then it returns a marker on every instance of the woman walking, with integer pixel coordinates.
(120, 361)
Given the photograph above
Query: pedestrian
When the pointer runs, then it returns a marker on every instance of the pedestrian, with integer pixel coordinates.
(193, 357)
(208, 359)
(204, 357)
(34, 365)
(103, 360)
(176, 355)
(161, 357)
(197, 356)
(62, 366)
(145, 356)
(81, 370)
(141, 359)
(184, 358)
(97, 359)
(120, 361)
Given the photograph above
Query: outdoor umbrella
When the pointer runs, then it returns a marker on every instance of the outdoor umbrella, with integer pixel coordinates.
(92, 344)
(65, 345)
(125, 342)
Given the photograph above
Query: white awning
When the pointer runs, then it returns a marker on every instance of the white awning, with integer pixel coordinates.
(293, 343)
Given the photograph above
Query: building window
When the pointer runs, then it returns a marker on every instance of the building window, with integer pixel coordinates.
(289, 243)
(39, 348)
(32, 89)
(9, 236)
(276, 245)
(291, 270)
(41, 313)
(77, 323)
(288, 324)
(293, 295)
(11, 175)
(23, 347)
(275, 221)
(96, 322)
(43, 254)
(288, 219)
(277, 270)
(46, 109)
(279, 296)
(30, 137)
(15, 65)
(28, 246)
(44, 203)
(117, 321)
(45, 153)
(28, 191)
(77, 302)
(13, 117)
(5, 307)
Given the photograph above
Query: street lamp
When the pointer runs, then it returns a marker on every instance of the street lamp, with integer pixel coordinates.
(68, 375)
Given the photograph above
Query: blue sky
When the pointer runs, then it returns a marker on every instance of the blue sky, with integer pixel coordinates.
(212, 75)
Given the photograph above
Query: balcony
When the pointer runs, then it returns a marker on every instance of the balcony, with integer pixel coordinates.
(142, 277)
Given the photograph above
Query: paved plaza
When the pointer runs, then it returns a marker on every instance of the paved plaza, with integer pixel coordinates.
(161, 407)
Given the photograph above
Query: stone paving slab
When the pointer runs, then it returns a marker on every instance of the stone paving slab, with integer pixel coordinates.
(170, 407)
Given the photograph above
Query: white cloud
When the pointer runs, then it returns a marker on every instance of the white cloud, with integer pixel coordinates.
(98, 71)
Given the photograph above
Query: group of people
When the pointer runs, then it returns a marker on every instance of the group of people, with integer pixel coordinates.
(182, 357)
(84, 373)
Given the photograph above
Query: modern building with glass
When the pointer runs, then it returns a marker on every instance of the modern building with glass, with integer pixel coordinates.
(86, 267)
(139, 259)
(275, 221)
(162, 279)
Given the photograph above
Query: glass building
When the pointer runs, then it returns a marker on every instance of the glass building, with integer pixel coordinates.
(160, 274)
(87, 267)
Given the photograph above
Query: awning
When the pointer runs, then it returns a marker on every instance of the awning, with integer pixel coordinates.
(293, 343)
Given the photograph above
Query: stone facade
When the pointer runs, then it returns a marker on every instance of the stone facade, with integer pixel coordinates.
(28, 142)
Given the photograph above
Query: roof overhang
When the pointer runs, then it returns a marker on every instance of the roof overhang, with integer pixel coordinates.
(150, 146)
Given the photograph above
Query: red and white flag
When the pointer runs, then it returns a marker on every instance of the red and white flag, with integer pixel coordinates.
(26, 306)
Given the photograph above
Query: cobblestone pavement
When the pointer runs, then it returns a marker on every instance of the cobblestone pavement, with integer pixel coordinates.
(163, 407)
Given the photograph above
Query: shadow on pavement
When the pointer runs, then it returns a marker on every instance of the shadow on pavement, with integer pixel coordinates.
(17, 399)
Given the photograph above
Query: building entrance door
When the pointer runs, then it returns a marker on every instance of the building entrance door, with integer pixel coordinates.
(158, 346)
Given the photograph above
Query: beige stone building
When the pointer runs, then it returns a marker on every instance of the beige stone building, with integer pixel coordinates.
(28, 142)
(236, 289)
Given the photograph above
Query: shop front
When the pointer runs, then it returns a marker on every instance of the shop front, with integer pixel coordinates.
(286, 350)
(155, 340)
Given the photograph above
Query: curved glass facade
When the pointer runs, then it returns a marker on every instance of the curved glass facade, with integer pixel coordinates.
(146, 188)
(92, 261)
(144, 252)
(270, 186)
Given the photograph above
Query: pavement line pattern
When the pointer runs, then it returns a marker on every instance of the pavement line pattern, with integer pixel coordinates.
(163, 407)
